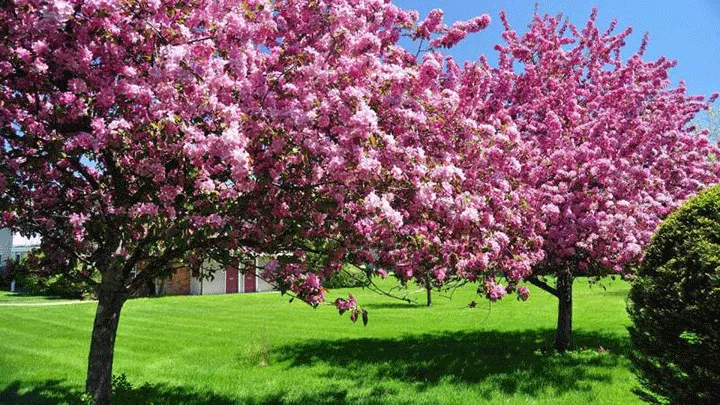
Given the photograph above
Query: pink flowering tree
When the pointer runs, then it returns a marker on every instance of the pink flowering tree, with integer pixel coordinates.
(614, 152)
(165, 131)
(162, 131)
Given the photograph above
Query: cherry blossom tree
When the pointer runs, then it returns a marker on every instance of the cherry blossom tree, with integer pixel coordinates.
(614, 151)
(165, 131)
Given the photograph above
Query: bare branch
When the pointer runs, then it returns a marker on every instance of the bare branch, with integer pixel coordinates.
(542, 285)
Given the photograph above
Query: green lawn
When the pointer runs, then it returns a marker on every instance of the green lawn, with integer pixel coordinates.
(259, 349)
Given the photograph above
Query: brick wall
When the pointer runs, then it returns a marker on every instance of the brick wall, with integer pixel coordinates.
(177, 284)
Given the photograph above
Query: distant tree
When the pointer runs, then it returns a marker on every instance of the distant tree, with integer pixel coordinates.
(613, 149)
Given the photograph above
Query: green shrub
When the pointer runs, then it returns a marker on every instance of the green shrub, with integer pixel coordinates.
(33, 278)
(5, 278)
(674, 305)
(59, 285)
(349, 277)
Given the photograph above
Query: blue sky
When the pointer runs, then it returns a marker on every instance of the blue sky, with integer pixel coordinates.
(685, 30)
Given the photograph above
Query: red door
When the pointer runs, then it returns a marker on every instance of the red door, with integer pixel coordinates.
(231, 280)
(250, 280)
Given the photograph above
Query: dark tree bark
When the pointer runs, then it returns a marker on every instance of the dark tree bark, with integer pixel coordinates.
(150, 285)
(563, 292)
(111, 297)
(563, 335)
(428, 289)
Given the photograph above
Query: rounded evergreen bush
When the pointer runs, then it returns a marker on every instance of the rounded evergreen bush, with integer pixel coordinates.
(674, 305)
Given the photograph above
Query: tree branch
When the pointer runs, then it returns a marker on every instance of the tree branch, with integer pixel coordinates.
(378, 290)
(542, 285)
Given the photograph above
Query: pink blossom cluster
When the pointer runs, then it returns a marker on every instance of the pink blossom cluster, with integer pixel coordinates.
(494, 291)
(523, 293)
(348, 304)
(448, 36)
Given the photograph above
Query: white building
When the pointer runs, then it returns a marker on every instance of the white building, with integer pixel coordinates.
(223, 281)
(21, 246)
(213, 278)
(229, 280)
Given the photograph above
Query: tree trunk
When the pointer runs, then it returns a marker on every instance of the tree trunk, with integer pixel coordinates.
(428, 288)
(102, 345)
(150, 284)
(563, 336)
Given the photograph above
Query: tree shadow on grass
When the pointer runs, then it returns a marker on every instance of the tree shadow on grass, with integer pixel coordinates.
(59, 392)
(51, 392)
(508, 362)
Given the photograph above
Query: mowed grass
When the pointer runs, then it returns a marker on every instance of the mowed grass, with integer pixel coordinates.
(260, 349)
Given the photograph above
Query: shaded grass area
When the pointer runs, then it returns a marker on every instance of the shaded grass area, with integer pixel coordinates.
(506, 362)
(7, 297)
(57, 392)
(258, 349)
